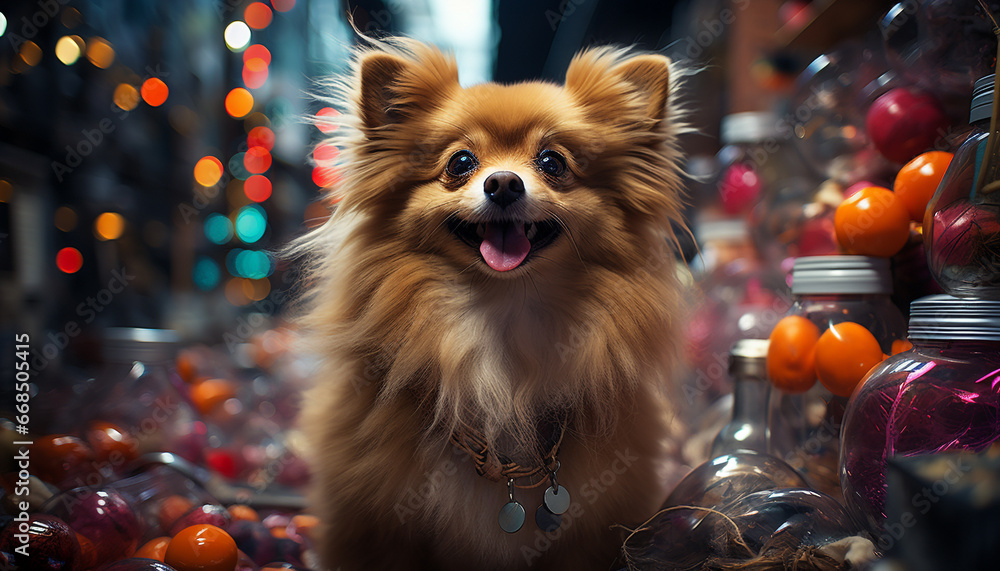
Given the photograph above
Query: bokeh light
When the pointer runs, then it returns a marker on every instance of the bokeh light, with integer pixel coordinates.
(109, 226)
(69, 260)
(257, 15)
(126, 97)
(254, 120)
(100, 53)
(254, 73)
(251, 223)
(3, 23)
(257, 188)
(206, 274)
(261, 137)
(239, 102)
(325, 177)
(257, 51)
(326, 119)
(283, 5)
(218, 228)
(257, 289)
(234, 292)
(65, 218)
(236, 167)
(208, 171)
(6, 190)
(325, 153)
(154, 91)
(257, 160)
(237, 36)
(30, 53)
(69, 49)
(252, 264)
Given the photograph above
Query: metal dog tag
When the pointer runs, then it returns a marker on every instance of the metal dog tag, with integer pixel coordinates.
(546, 520)
(511, 516)
(557, 500)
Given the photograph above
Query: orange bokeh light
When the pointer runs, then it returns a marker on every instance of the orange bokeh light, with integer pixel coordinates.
(257, 15)
(208, 171)
(239, 102)
(154, 91)
(283, 5)
(325, 153)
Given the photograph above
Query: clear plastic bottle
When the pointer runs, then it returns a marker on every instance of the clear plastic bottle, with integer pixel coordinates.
(962, 223)
(829, 290)
(943, 394)
(748, 429)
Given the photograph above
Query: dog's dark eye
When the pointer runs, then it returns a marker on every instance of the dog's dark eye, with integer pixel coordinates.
(551, 163)
(462, 163)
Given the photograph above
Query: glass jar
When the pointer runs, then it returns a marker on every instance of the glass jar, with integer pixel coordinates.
(943, 394)
(748, 428)
(962, 223)
(830, 290)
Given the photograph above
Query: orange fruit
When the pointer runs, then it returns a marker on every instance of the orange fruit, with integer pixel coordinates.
(900, 345)
(872, 222)
(171, 509)
(202, 547)
(844, 354)
(790, 355)
(918, 179)
(209, 394)
(240, 512)
(154, 549)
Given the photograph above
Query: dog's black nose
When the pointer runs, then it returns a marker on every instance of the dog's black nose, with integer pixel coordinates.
(503, 188)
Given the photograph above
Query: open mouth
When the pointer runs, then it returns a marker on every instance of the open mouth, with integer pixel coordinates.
(505, 245)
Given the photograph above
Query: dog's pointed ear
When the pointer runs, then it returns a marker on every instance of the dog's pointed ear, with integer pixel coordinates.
(637, 84)
(395, 85)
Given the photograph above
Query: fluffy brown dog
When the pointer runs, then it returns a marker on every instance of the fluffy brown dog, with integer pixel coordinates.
(495, 302)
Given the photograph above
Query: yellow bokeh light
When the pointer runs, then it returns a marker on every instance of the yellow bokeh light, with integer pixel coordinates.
(67, 50)
(208, 171)
(65, 218)
(109, 226)
(100, 53)
(126, 96)
(6, 191)
(237, 36)
(30, 53)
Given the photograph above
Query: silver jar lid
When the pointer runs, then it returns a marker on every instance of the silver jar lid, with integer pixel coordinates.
(841, 275)
(127, 344)
(948, 318)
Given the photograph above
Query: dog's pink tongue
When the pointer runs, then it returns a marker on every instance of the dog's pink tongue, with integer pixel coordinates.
(504, 245)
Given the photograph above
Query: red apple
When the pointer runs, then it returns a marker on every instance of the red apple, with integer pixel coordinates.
(904, 122)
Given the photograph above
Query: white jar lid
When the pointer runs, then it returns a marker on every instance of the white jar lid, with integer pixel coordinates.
(841, 275)
(748, 127)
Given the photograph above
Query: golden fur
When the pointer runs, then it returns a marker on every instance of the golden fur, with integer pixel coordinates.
(418, 335)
